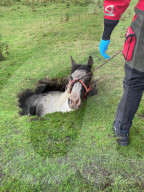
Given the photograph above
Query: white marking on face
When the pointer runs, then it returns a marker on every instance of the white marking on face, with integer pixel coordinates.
(77, 86)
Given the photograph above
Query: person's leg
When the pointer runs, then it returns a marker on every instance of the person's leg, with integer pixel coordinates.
(133, 85)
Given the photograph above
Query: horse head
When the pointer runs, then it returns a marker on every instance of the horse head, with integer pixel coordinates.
(81, 87)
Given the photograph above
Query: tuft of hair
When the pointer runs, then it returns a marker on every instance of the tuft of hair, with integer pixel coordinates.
(63, 99)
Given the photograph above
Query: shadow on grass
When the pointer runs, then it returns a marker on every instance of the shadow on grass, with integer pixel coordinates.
(55, 134)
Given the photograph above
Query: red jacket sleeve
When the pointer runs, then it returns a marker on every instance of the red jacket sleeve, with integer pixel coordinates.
(113, 9)
(140, 5)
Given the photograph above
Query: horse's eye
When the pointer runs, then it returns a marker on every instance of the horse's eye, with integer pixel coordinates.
(71, 77)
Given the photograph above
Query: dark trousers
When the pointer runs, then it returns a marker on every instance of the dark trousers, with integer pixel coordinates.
(133, 86)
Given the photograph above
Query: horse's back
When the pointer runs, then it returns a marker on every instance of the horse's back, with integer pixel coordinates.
(48, 103)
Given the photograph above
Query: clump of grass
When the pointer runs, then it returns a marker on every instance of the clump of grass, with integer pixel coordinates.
(3, 49)
(100, 3)
(1, 55)
(36, 2)
(67, 17)
(5, 2)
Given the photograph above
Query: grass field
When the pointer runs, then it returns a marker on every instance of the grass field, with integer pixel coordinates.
(70, 152)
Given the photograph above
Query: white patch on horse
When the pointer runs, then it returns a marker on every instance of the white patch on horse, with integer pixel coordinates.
(47, 104)
(78, 86)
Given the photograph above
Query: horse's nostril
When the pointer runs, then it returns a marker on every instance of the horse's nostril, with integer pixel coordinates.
(77, 101)
(69, 101)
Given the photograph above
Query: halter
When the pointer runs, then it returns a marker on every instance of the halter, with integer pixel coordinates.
(71, 83)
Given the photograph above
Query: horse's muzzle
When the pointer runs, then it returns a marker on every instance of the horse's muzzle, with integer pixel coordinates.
(74, 102)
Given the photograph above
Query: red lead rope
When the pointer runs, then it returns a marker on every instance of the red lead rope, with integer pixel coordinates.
(88, 89)
(71, 83)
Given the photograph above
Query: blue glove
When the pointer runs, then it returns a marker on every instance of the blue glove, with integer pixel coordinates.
(103, 46)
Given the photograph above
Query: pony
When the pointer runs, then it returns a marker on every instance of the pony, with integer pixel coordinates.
(70, 100)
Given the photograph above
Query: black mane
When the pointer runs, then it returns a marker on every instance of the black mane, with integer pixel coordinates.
(80, 67)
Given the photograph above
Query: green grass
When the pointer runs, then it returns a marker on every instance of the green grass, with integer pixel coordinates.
(74, 151)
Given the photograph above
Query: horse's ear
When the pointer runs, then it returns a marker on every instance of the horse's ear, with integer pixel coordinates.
(90, 62)
(72, 61)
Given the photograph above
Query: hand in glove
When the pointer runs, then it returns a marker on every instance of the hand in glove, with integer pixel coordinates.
(103, 47)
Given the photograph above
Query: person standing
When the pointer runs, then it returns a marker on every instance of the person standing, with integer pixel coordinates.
(133, 51)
